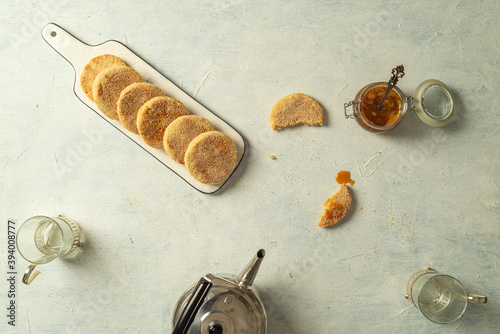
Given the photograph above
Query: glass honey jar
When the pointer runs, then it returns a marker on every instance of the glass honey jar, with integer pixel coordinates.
(432, 101)
(365, 110)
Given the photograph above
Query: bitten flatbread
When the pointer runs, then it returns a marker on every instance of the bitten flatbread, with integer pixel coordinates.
(295, 109)
(336, 207)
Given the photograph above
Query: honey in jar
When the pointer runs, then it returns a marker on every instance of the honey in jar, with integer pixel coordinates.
(365, 107)
(389, 112)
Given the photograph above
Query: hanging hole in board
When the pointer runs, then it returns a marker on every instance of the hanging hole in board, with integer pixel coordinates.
(53, 33)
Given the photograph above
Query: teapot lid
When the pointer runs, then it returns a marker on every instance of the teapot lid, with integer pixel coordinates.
(226, 308)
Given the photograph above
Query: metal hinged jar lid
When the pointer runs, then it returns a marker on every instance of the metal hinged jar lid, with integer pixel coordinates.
(433, 103)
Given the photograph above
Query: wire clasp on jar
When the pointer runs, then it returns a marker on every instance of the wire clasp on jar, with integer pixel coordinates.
(347, 105)
(411, 104)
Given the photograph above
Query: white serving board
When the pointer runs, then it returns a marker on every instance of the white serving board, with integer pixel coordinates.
(78, 54)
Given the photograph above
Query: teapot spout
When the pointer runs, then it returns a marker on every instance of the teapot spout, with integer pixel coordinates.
(246, 277)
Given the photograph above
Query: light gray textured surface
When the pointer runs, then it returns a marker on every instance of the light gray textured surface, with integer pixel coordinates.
(430, 197)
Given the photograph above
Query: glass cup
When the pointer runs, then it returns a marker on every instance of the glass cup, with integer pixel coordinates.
(41, 239)
(441, 298)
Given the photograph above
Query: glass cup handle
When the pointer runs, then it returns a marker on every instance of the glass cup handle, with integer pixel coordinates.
(29, 274)
(476, 299)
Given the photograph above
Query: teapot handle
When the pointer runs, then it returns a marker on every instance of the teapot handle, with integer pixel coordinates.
(193, 305)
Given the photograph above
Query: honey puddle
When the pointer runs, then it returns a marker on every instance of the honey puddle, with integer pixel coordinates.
(344, 177)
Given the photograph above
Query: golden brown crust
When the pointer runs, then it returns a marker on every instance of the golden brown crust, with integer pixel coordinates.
(108, 85)
(180, 132)
(211, 157)
(93, 68)
(154, 117)
(336, 207)
(131, 100)
(295, 109)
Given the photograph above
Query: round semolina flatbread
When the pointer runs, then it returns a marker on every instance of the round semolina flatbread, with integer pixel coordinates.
(108, 85)
(154, 117)
(336, 207)
(295, 109)
(180, 132)
(131, 100)
(211, 157)
(93, 68)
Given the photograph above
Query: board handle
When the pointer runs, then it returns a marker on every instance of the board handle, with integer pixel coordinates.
(68, 46)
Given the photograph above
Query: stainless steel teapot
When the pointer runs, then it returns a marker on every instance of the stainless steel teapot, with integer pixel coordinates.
(222, 305)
